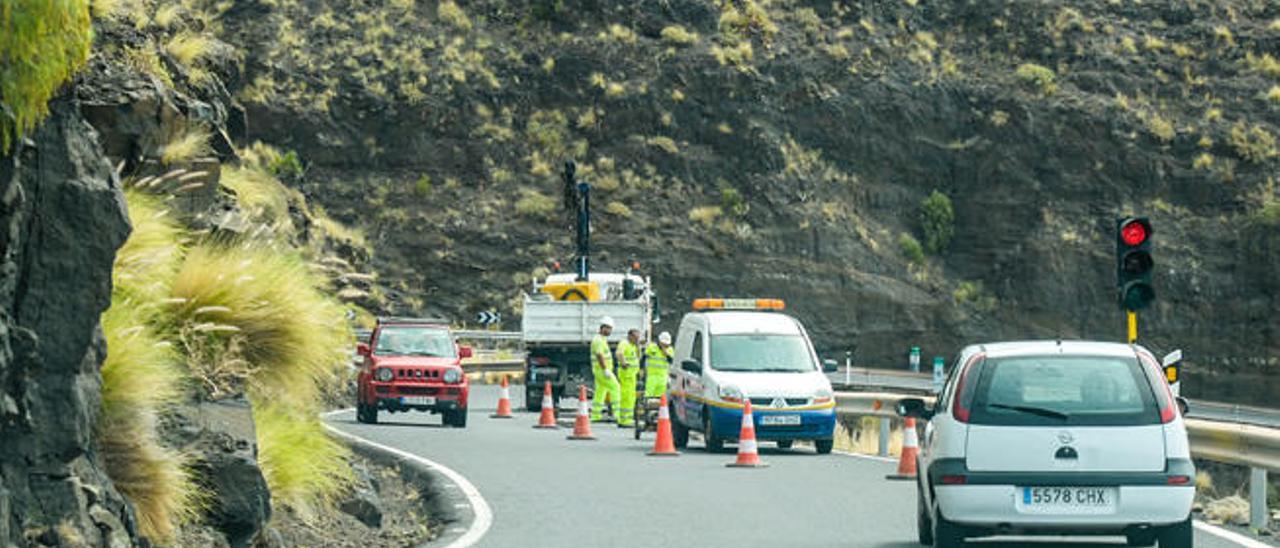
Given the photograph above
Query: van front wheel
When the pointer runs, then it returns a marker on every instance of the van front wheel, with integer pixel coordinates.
(715, 444)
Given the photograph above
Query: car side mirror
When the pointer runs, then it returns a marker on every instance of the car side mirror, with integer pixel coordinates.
(1184, 406)
(830, 366)
(363, 349)
(465, 352)
(914, 408)
(691, 366)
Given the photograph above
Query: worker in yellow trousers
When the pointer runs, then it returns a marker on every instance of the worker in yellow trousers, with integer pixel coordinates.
(606, 388)
(628, 375)
(658, 358)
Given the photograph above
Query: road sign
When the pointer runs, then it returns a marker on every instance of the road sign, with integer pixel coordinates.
(488, 317)
(915, 359)
(938, 378)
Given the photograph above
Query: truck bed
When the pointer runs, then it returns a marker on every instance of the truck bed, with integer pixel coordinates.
(576, 322)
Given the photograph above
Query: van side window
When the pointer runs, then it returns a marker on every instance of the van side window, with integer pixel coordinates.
(695, 353)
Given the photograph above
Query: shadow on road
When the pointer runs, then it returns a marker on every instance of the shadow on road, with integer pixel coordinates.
(1016, 542)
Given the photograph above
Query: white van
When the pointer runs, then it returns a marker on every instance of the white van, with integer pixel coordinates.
(729, 351)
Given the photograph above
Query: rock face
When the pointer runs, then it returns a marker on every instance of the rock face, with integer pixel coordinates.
(62, 218)
(814, 146)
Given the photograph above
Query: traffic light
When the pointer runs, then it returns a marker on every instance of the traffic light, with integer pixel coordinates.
(1133, 263)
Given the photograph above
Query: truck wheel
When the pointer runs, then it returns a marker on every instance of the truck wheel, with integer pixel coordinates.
(679, 432)
(715, 444)
(824, 446)
(532, 400)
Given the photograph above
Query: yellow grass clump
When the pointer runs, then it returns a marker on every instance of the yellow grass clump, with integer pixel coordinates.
(186, 145)
(253, 313)
(303, 465)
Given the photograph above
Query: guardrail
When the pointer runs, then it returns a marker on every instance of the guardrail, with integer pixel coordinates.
(489, 335)
(1255, 446)
(495, 366)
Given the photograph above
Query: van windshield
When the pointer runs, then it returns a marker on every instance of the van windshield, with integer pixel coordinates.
(415, 341)
(761, 353)
(1064, 391)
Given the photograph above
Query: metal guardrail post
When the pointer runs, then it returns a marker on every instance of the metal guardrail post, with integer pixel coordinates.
(1258, 498)
(885, 430)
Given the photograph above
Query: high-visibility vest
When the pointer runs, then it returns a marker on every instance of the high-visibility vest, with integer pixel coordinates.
(600, 345)
(630, 354)
(656, 357)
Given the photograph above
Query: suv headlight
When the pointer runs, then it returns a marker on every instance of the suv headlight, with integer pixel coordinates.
(822, 395)
(731, 393)
(384, 374)
(452, 376)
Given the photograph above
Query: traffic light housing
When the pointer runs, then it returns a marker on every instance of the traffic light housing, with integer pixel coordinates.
(1134, 263)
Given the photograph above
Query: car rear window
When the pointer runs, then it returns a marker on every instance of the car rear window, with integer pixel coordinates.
(1064, 390)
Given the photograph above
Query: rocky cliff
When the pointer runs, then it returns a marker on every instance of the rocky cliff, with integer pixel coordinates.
(62, 218)
(752, 147)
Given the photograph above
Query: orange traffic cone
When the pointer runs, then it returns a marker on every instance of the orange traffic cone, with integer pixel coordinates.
(910, 448)
(504, 402)
(582, 424)
(548, 417)
(665, 445)
(748, 453)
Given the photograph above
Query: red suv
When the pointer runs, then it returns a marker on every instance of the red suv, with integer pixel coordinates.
(412, 364)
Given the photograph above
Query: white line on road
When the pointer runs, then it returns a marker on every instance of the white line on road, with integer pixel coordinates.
(868, 457)
(1230, 536)
(484, 515)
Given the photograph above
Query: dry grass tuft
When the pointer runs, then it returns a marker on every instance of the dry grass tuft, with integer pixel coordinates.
(303, 465)
(186, 145)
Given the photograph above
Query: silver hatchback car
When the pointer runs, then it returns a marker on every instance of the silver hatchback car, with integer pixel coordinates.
(1054, 437)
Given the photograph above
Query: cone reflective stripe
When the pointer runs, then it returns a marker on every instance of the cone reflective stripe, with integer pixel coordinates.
(582, 424)
(548, 418)
(665, 444)
(504, 402)
(910, 448)
(748, 452)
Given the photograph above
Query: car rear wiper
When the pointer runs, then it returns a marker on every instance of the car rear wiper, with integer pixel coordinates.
(1032, 410)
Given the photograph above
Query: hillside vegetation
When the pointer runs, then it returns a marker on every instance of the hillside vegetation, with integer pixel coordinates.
(901, 172)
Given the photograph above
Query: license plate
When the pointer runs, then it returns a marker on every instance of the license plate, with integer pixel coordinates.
(1068, 500)
(419, 400)
(779, 420)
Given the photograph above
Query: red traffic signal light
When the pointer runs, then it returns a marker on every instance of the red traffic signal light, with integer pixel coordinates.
(1134, 231)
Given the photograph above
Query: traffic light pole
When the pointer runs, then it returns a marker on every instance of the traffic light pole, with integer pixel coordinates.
(1133, 326)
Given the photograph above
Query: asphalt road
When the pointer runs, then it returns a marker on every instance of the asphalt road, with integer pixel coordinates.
(545, 490)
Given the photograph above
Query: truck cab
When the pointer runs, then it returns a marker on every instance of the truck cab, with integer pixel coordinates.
(729, 351)
(412, 365)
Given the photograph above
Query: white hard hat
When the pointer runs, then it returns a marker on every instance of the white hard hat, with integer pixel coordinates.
(607, 321)
(664, 338)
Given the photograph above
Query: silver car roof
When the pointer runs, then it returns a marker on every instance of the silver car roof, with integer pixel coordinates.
(1066, 347)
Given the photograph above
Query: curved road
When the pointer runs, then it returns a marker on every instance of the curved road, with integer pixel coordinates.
(546, 491)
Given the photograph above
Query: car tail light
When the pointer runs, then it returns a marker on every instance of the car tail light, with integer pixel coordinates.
(960, 403)
(540, 360)
(954, 480)
(1178, 480)
(1164, 395)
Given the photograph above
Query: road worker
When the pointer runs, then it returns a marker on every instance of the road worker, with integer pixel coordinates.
(658, 358)
(606, 388)
(628, 375)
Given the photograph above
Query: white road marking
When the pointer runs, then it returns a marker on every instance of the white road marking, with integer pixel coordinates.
(484, 515)
(868, 457)
(1230, 536)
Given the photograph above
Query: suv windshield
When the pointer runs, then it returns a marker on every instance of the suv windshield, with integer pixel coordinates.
(415, 341)
(1064, 390)
(761, 353)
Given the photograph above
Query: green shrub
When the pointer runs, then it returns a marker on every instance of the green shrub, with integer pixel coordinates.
(535, 204)
(678, 35)
(1268, 214)
(1254, 144)
(910, 248)
(972, 293)
(287, 165)
(618, 209)
(42, 44)
(937, 219)
(706, 215)
(422, 186)
(250, 317)
(1037, 77)
(452, 15)
(303, 465)
(732, 201)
